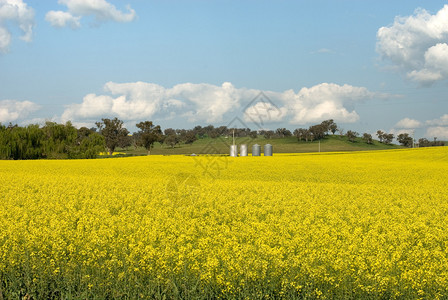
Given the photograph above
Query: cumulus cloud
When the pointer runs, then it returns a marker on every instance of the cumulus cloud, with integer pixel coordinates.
(134, 101)
(417, 45)
(13, 110)
(439, 132)
(326, 101)
(140, 100)
(15, 13)
(101, 10)
(62, 19)
(210, 102)
(219, 103)
(442, 121)
(397, 132)
(265, 112)
(408, 123)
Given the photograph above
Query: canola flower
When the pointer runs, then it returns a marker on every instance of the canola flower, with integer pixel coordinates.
(365, 225)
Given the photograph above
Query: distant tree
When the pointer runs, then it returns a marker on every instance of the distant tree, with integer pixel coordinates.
(300, 133)
(213, 134)
(113, 132)
(189, 137)
(380, 134)
(92, 145)
(351, 135)
(136, 138)
(210, 131)
(329, 125)
(268, 134)
(310, 136)
(242, 132)
(169, 131)
(172, 140)
(253, 134)
(59, 138)
(125, 141)
(283, 132)
(149, 134)
(53, 140)
(199, 131)
(405, 139)
(318, 131)
(88, 147)
(388, 138)
(83, 133)
(222, 130)
(333, 128)
(423, 142)
(367, 137)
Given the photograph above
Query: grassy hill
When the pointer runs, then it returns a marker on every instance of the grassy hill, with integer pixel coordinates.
(280, 145)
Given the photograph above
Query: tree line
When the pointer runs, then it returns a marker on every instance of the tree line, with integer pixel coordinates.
(50, 141)
(319, 131)
(55, 140)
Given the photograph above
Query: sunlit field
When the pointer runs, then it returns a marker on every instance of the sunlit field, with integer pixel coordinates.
(365, 225)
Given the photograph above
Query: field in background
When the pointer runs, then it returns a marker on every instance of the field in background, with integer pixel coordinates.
(363, 225)
(281, 145)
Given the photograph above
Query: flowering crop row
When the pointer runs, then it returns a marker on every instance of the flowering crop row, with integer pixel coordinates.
(335, 225)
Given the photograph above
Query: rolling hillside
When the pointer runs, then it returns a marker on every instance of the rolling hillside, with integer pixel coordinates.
(280, 145)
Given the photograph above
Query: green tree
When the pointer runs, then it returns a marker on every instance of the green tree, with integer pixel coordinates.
(351, 135)
(318, 131)
(149, 134)
(380, 134)
(333, 127)
(253, 134)
(113, 132)
(92, 145)
(189, 137)
(171, 140)
(301, 133)
(329, 125)
(405, 139)
(388, 138)
(59, 139)
(367, 137)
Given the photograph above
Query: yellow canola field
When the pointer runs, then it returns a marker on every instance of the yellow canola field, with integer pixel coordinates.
(363, 225)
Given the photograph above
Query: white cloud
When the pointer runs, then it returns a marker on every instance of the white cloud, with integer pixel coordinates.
(219, 103)
(133, 101)
(13, 110)
(62, 19)
(15, 13)
(210, 102)
(439, 132)
(5, 39)
(417, 44)
(101, 10)
(407, 123)
(397, 132)
(265, 112)
(326, 101)
(442, 121)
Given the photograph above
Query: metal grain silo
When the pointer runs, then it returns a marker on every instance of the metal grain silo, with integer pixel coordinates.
(233, 150)
(268, 150)
(243, 150)
(256, 150)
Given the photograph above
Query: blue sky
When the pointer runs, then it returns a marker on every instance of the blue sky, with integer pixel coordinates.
(367, 64)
